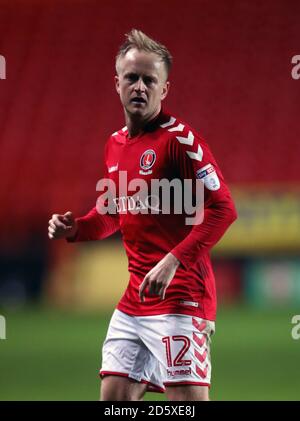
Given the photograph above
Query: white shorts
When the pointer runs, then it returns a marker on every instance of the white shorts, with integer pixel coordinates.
(163, 350)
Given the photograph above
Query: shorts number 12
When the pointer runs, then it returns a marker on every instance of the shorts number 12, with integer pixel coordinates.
(178, 360)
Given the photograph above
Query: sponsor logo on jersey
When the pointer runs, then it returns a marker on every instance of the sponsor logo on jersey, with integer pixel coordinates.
(169, 197)
(137, 203)
(147, 161)
(209, 177)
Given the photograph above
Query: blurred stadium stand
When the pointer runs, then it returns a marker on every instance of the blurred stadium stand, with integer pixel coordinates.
(231, 81)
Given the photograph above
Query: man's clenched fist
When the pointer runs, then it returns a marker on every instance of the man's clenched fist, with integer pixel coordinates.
(62, 226)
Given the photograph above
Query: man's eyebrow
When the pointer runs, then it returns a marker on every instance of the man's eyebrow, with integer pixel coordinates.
(130, 74)
(151, 76)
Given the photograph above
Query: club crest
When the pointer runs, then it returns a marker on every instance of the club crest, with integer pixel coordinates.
(147, 161)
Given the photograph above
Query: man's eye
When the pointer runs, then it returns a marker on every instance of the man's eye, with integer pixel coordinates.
(148, 80)
(131, 78)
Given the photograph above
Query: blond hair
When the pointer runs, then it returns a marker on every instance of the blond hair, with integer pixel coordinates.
(137, 39)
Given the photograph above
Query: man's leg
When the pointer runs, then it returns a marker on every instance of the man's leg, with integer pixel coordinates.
(121, 354)
(117, 388)
(187, 393)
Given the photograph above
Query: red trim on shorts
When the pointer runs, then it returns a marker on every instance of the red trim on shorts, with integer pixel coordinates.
(167, 384)
(151, 386)
(112, 373)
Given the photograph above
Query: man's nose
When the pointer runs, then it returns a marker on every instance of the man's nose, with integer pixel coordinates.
(139, 86)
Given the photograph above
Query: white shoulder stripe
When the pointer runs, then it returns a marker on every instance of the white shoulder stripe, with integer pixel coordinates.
(196, 155)
(189, 140)
(169, 123)
(123, 130)
(178, 128)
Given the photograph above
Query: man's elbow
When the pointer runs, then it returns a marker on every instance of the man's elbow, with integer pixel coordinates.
(228, 210)
(232, 214)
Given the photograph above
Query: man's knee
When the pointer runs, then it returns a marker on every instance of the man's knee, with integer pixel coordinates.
(116, 388)
(187, 393)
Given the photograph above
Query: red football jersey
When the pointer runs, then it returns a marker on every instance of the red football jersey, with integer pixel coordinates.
(168, 148)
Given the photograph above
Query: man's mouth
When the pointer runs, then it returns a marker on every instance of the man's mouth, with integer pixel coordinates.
(138, 100)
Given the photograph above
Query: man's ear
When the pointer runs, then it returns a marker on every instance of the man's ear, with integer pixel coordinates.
(117, 84)
(165, 90)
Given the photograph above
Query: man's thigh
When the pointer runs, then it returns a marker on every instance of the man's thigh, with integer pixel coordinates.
(116, 388)
(126, 361)
(187, 393)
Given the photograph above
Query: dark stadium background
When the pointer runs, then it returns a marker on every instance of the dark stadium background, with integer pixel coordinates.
(232, 81)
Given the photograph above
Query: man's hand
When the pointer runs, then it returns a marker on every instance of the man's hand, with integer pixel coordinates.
(62, 226)
(158, 278)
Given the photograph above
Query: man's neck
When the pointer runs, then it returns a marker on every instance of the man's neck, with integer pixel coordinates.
(136, 125)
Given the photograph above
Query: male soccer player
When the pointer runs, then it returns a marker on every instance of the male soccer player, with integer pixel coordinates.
(159, 335)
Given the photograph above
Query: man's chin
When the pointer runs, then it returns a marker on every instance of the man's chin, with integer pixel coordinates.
(136, 111)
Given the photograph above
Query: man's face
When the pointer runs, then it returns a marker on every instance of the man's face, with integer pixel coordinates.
(141, 83)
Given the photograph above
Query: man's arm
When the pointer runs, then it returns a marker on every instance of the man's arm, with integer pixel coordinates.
(92, 226)
(197, 162)
(219, 213)
(95, 226)
(201, 238)
(217, 218)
